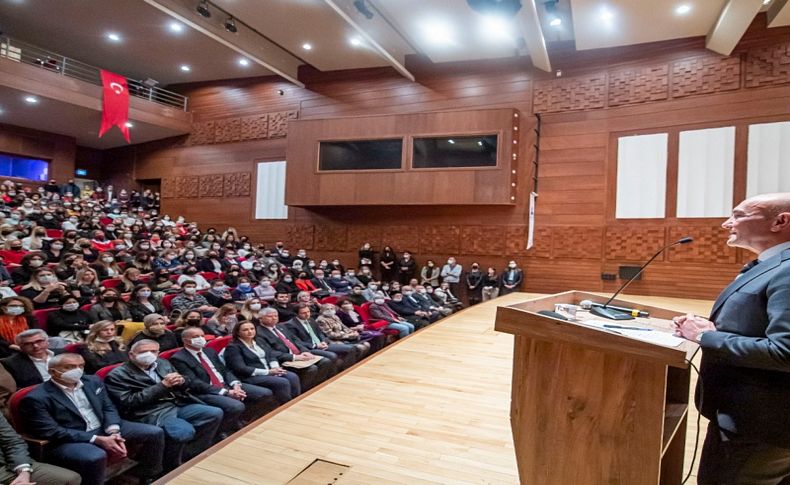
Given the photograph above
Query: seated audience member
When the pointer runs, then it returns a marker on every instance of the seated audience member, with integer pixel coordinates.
(356, 296)
(129, 280)
(257, 365)
(16, 315)
(155, 329)
(320, 282)
(148, 389)
(369, 293)
(102, 347)
(422, 296)
(407, 312)
(142, 261)
(100, 243)
(110, 307)
(437, 301)
(44, 289)
(490, 285)
(249, 311)
(429, 274)
(511, 280)
(189, 299)
(29, 366)
(332, 327)
(305, 298)
(169, 261)
(86, 285)
(303, 283)
(191, 273)
(36, 240)
(380, 311)
(213, 263)
(7, 389)
(264, 290)
(285, 346)
(244, 290)
(18, 468)
(445, 297)
(223, 320)
(213, 384)
(287, 285)
(309, 335)
(87, 251)
(351, 277)
(14, 252)
(55, 252)
(232, 276)
(283, 307)
(338, 283)
(106, 266)
(74, 413)
(192, 318)
(30, 263)
(162, 283)
(219, 294)
(474, 285)
(69, 322)
(142, 303)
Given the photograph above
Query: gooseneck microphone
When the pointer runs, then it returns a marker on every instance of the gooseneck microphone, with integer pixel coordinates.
(616, 313)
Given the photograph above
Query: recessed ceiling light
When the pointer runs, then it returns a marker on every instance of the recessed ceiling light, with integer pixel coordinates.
(683, 9)
(114, 37)
(176, 27)
(244, 62)
(496, 29)
(31, 99)
(555, 22)
(307, 46)
(355, 41)
(129, 124)
(438, 32)
(185, 68)
(766, 2)
(480, 143)
(606, 14)
(451, 141)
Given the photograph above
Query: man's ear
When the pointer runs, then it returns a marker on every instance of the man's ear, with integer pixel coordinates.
(781, 222)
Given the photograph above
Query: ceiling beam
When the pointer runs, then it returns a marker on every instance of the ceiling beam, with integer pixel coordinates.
(376, 32)
(779, 13)
(529, 23)
(247, 42)
(734, 19)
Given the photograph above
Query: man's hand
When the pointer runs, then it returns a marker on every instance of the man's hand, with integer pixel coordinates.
(23, 478)
(304, 356)
(173, 379)
(279, 371)
(691, 326)
(112, 444)
(322, 345)
(237, 393)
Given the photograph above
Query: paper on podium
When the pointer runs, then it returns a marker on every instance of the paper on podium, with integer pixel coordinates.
(651, 336)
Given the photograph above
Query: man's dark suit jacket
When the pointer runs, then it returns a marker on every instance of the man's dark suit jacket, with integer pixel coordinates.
(745, 368)
(189, 367)
(23, 370)
(13, 449)
(139, 399)
(272, 341)
(50, 414)
(296, 328)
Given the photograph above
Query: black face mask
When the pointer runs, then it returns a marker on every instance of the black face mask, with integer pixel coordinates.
(193, 322)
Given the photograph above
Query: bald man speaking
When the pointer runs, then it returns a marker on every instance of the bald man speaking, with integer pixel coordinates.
(745, 369)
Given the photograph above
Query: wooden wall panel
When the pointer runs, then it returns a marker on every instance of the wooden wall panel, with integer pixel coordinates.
(59, 150)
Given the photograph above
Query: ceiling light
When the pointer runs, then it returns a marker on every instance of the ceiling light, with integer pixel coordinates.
(307, 46)
(129, 124)
(451, 141)
(497, 28)
(355, 41)
(766, 2)
(555, 22)
(683, 9)
(114, 37)
(606, 14)
(31, 99)
(244, 62)
(230, 25)
(438, 33)
(176, 27)
(480, 143)
(185, 68)
(202, 9)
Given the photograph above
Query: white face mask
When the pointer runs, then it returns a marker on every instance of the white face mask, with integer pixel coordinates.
(107, 260)
(72, 376)
(35, 263)
(379, 301)
(190, 291)
(198, 342)
(146, 358)
(70, 307)
(255, 307)
(14, 310)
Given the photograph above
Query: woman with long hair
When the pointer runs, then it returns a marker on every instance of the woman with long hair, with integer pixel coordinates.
(86, 285)
(142, 302)
(223, 320)
(44, 289)
(102, 347)
(16, 315)
(69, 322)
(110, 307)
(106, 267)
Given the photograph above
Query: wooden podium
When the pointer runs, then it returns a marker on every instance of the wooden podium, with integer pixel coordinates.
(590, 406)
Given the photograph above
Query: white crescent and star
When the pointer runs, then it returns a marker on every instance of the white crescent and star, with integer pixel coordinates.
(117, 88)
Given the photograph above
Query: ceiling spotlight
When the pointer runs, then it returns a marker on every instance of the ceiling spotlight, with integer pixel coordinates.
(438, 33)
(451, 141)
(766, 2)
(114, 37)
(176, 27)
(480, 143)
(683, 9)
(31, 99)
(355, 41)
(363, 9)
(230, 25)
(307, 46)
(555, 22)
(202, 9)
(244, 62)
(497, 28)
(280, 92)
(606, 15)
(129, 124)
(185, 68)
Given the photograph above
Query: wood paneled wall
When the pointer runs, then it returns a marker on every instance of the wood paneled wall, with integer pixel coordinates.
(60, 150)
(601, 95)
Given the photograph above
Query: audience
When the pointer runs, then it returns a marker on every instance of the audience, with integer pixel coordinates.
(102, 347)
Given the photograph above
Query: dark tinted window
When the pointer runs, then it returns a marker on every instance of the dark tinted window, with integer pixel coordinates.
(455, 151)
(360, 154)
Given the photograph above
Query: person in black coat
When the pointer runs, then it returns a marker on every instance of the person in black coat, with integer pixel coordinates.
(155, 329)
(474, 284)
(102, 347)
(69, 322)
(511, 279)
(406, 269)
(142, 304)
(219, 294)
(309, 333)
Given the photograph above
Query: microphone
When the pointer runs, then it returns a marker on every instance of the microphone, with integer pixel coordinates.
(616, 313)
(589, 304)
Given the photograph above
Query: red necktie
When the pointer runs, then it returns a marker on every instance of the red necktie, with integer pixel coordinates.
(211, 374)
(293, 348)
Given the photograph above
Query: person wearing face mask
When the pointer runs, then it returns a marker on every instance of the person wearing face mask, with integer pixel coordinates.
(370, 292)
(148, 389)
(224, 320)
(142, 303)
(379, 310)
(232, 276)
(287, 285)
(474, 284)
(110, 307)
(337, 333)
(338, 283)
(29, 263)
(451, 274)
(55, 251)
(213, 263)
(243, 290)
(219, 294)
(191, 273)
(106, 267)
(511, 279)
(192, 318)
(73, 411)
(406, 269)
(249, 310)
(100, 242)
(308, 335)
(43, 289)
(265, 290)
(102, 347)
(429, 274)
(69, 322)
(407, 312)
(162, 284)
(142, 261)
(14, 252)
(36, 240)
(155, 328)
(190, 299)
(16, 315)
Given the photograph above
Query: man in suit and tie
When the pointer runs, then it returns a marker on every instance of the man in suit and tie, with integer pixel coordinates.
(74, 412)
(29, 367)
(148, 389)
(744, 386)
(215, 385)
(310, 336)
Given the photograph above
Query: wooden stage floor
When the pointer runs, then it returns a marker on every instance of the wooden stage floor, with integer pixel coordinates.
(433, 408)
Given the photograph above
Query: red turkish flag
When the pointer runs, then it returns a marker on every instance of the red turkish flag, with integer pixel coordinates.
(115, 103)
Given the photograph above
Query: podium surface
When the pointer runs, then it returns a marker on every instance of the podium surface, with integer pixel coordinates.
(593, 406)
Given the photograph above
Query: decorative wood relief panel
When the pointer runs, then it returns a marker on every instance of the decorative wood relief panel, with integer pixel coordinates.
(299, 236)
(482, 240)
(440, 239)
(576, 242)
(768, 66)
(359, 235)
(211, 185)
(570, 94)
(633, 243)
(402, 238)
(638, 85)
(237, 184)
(187, 186)
(256, 127)
(541, 247)
(709, 245)
(703, 75)
(168, 187)
(330, 238)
